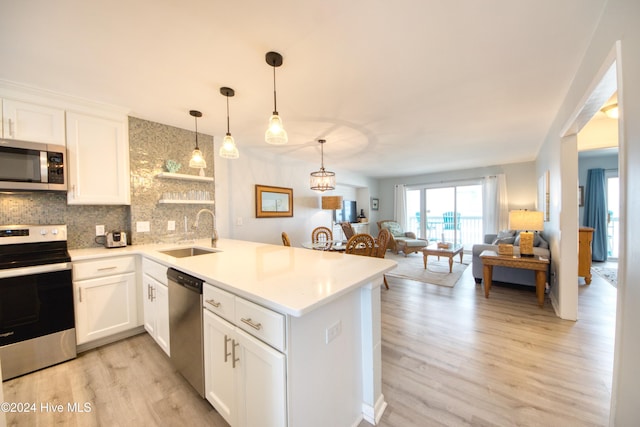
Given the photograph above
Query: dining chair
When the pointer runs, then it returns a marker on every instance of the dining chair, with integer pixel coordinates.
(382, 241)
(285, 239)
(321, 234)
(347, 229)
(361, 244)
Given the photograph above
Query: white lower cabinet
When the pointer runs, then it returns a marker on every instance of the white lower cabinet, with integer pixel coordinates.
(105, 297)
(156, 311)
(245, 379)
(155, 298)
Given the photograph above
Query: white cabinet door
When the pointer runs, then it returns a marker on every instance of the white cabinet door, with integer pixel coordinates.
(156, 311)
(161, 301)
(150, 314)
(31, 122)
(245, 379)
(219, 383)
(98, 160)
(105, 306)
(261, 383)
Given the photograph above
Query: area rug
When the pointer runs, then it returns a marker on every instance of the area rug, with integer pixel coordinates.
(608, 274)
(437, 272)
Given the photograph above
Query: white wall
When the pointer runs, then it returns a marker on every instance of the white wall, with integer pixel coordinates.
(235, 197)
(619, 22)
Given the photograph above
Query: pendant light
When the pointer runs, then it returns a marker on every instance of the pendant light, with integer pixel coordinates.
(228, 149)
(275, 134)
(197, 159)
(323, 180)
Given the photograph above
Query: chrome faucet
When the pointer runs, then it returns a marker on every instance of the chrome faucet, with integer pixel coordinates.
(214, 235)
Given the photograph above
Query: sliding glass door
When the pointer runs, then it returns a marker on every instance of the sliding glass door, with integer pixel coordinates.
(451, 213)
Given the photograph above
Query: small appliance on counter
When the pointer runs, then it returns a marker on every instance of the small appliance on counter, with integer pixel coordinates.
(113, 239)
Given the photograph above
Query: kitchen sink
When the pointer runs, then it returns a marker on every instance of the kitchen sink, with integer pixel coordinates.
(187, 252)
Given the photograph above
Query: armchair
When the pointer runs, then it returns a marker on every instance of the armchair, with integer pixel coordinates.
(401, 240)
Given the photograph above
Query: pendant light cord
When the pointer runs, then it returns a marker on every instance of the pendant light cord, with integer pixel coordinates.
(196, 119)
(275, 105)
(228, 133)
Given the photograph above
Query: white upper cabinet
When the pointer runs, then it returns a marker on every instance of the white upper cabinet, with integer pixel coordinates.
(97, 159)
(32, 122)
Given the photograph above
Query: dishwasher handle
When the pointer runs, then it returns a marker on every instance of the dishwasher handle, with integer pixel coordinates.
(187, 281)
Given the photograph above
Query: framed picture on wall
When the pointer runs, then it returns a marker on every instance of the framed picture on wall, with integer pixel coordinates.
(273, 202)
(374, 204)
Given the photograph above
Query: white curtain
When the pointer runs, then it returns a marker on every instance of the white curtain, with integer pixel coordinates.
(400, 214)
(495, 206)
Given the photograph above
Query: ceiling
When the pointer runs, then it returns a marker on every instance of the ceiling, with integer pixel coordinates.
(396, 88)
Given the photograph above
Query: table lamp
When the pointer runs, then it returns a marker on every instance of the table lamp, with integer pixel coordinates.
(526, 221)
(331, 202)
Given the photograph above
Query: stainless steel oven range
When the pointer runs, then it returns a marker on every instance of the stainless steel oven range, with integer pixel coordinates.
(37, 326)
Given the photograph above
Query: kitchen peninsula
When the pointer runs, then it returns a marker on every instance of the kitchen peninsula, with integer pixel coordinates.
(330, 341)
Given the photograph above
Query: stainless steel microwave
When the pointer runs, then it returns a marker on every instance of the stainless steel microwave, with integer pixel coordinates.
(32, 166)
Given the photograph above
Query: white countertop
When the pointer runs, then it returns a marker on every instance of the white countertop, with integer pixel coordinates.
(286, 279)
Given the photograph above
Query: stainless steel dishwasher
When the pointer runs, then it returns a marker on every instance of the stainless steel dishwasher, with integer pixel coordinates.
(185, 327)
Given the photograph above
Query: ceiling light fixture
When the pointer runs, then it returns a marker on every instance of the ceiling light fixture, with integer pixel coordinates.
(611, 111)
(197, 159)
(275, 134)
(323, 180)
(228, 149)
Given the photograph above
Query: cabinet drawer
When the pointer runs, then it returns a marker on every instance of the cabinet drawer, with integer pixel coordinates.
(260, 322)
(103, 267)
(219, 302)
(155, 270)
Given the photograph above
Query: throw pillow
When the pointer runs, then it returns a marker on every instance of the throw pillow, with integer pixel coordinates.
(505, 237)
(394, 228)
(503, 234)
(504, 240)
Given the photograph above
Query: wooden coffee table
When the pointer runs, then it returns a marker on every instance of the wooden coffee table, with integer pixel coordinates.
(538, 265)
(450, 252)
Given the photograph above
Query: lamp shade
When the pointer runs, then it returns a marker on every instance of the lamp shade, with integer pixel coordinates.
(332, 202)
(526, 220)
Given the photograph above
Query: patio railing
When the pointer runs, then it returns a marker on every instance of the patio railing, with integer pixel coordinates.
(468, 232)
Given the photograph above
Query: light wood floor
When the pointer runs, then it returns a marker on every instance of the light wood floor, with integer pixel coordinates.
(450, 357)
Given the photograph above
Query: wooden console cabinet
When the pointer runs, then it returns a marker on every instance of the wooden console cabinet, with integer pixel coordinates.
(585, 236)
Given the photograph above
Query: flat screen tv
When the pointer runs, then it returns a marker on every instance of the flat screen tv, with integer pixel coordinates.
(348, 213)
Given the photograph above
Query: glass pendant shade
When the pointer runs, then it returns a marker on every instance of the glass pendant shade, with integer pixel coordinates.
(229, 149)
(276, 134)
(197, 160)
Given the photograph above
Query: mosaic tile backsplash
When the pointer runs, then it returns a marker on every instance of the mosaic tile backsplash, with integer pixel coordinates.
(151, 145)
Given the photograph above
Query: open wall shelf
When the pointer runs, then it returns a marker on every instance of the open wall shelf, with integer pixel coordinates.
(184, 177)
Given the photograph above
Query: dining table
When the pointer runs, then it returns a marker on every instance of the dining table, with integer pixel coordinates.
(327, 245)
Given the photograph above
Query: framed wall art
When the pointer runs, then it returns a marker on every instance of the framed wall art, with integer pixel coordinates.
(273, 202)
(374, 204)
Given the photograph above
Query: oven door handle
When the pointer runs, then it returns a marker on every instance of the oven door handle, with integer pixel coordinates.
(36, 269)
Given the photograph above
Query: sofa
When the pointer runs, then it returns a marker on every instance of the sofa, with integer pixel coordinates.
(401, 240)
(507, 274)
